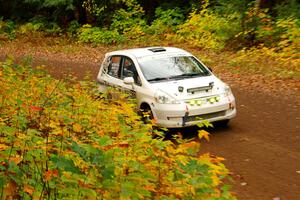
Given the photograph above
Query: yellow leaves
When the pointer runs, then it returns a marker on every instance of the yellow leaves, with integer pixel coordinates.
(203, 134)
(116, 149)
(77, 128)
(3, 147)
(177, 190)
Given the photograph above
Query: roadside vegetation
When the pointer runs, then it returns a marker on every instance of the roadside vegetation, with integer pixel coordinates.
(61, 139)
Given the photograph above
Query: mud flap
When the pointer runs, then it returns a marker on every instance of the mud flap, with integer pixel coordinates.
(184, 119)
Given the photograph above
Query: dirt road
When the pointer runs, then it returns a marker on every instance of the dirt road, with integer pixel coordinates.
(261, 145)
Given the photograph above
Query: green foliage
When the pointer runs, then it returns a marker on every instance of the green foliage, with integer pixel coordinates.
(30, 28)
(7, 29)
(207, 30)
(38, 25)
(129, 21)
(73, 27)
(288, 9)
(288, 31)
(96, 35)
(166, 21)
(62, 140)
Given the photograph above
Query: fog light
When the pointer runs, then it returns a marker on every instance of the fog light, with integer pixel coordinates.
(199, 102)
(192, 102)
(212, 100)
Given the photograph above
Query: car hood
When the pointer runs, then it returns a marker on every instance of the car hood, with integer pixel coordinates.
(192, 87)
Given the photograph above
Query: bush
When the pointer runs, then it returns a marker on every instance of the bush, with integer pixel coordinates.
(207, 30)
(129, 22)
(166, 21)
(40, 25)
(7, 29)
(96, 35)
(62, 140)
(73, 28)
(29, 28)
(288, 30)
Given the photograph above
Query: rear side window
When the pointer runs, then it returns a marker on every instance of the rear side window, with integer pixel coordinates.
(114, 66)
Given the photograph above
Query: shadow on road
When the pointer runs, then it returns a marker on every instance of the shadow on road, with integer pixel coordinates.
(192, 132)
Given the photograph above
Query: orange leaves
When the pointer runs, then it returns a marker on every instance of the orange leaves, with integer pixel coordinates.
(50, 173)
(116, 145)
(77, 128)
(150, 188)
(85, 185)
(191, 144)
(16, 159)
(10, 189)
(28, 189)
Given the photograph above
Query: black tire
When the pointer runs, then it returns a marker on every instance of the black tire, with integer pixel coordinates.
(146, 114)
(223, 123)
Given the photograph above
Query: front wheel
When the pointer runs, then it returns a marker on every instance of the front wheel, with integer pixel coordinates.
(223, 123)
(147, 115)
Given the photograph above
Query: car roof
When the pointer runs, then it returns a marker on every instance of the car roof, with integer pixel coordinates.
(150, 51)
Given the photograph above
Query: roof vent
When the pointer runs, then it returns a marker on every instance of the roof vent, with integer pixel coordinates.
(157, 49)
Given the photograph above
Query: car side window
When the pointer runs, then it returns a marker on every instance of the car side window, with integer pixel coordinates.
(129, 70)
(114, 66)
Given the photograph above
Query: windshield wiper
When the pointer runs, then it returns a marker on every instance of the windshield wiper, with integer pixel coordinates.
(176, 77)
(187, 75)
(158, 79)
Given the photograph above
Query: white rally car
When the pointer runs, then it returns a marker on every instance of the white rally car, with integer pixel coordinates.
(170, 83)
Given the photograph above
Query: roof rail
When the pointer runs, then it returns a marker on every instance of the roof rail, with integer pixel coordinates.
(157, 49)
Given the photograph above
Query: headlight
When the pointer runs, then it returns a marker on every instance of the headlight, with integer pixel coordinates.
(164, 98)
(227, 90)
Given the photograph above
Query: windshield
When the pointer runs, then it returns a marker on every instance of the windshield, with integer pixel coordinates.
(172, 68)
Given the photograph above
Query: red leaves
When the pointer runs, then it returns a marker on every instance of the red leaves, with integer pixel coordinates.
(50, 173)
(36, 108)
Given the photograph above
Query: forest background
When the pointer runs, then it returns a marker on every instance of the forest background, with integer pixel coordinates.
(256, 29)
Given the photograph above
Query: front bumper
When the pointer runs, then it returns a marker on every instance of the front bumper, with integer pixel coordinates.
(183, 114)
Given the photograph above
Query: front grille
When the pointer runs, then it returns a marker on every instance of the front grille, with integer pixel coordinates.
(204, 116)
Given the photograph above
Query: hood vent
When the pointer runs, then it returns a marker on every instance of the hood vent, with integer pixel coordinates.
(157, 49)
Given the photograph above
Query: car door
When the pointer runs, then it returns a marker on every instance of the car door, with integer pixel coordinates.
(117, 68)
(111, 72)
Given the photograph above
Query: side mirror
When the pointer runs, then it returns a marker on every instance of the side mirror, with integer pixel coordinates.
(210, 69)
(128, 80)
